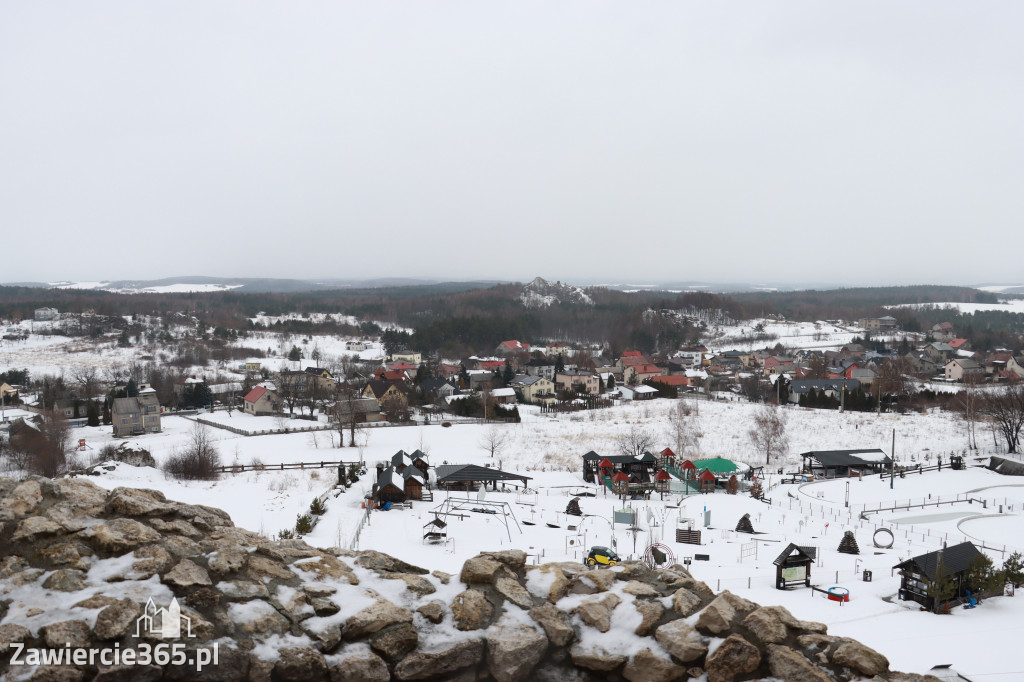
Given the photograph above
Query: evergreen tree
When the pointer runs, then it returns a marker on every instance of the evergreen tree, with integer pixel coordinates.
(508, 374)
(1013, 569)
(611, 382)
(108, 419)
(92, 414)
(559, 364)
(132, 389)
(941, 589)
(295, 354)
(203, 396)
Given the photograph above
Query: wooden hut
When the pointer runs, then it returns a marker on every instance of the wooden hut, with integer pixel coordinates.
(390, 486)
(413, 483)
(421, 462)
(918, 573)
(793, 566)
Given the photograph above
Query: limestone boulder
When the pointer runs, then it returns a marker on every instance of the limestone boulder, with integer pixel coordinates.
(421, 665)
(395, 641)
(374, 618)
(792, 666)
(117, 619)
(718, 616)
(510, 589)
(647, 666)
(555, 623)
(23, 498)
(734, 658)
(366, 668)
(513, 652)
(187, 574)
(681, 640)
(863, 659)
(300, 664)
(471, 610)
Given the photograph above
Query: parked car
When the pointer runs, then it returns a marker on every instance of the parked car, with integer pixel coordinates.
(601, 556)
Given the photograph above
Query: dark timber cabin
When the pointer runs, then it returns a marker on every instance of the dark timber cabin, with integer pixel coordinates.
(919, 572)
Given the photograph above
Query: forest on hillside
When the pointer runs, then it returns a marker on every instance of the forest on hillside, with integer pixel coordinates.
(458, 319)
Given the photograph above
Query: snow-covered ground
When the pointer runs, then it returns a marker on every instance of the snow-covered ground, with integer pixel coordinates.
(549, 450)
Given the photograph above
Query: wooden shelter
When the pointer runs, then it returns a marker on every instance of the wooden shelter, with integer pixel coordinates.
(793, 566)
(833, 463)
(918, 573)
(466, 476)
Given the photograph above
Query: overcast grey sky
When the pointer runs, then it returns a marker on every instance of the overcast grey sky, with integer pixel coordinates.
(856, 142)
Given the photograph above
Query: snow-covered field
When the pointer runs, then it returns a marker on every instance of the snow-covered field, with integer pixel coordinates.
(1010, 305)
(821, 335)
(549, 451)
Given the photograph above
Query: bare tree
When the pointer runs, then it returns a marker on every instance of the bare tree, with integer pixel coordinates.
(1006, 410)
(684, 429)
(346, 409)
(635, 442)
(894, 378)
(200, 458)
(967, 403)
(494, 440)
(43, 450)
(816, 367)
(88, 378)
(768, 434)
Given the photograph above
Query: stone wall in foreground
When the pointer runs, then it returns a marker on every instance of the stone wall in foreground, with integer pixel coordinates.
(78, 564)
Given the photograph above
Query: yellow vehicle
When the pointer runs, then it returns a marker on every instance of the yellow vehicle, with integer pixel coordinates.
(601, 556)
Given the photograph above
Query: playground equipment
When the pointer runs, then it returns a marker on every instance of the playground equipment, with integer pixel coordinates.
(881, 544)
(834, 593)
(657, 555)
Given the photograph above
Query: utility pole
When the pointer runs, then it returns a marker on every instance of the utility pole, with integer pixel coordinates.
(892, 463)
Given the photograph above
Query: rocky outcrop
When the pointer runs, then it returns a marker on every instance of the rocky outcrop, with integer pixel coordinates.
(78, 565)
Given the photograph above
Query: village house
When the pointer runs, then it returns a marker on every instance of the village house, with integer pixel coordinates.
(365, 410)
(355, 346)
(943, 331)
(961, 369)
(579, 381)
(1016, 365)
(261, 402)
(939, 352)
(134, 416)
(878, 324)
(512, 346)
(45, 314)
(436, 388)
(534, 389)
(383, 392)
(412, 357)
(540, 367)
(997, 361)
(833, 388)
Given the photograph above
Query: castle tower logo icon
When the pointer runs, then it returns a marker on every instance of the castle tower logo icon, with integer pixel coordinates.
(163, 623)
